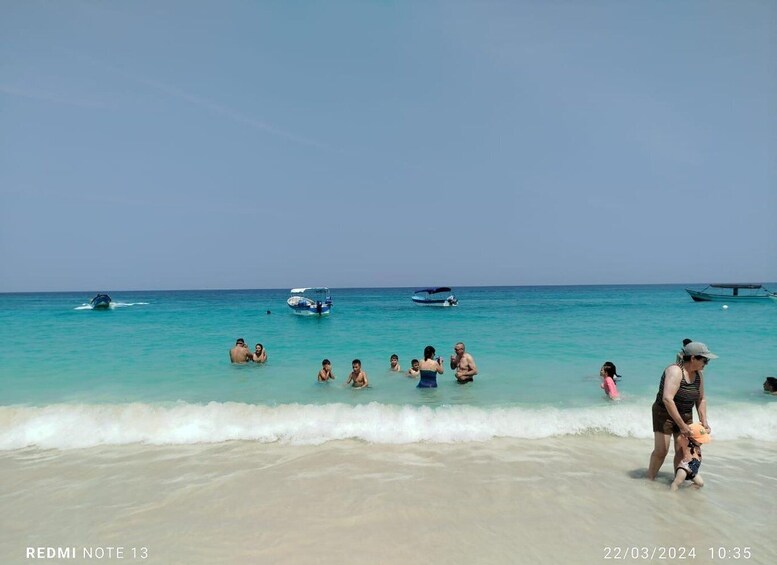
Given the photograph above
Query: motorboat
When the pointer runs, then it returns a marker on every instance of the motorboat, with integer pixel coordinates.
(731, 292)
(100, 302)
(311, 301)
(435, 297)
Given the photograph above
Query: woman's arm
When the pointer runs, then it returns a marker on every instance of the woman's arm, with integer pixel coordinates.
(701, 404)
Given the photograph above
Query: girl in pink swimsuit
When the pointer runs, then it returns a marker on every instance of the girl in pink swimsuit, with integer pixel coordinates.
(608, 372)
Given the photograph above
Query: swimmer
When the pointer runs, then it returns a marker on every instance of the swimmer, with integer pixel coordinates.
(429, 369)
(357, 376)
(260, 353)
(415, 369)
(607, 372)
(394, 363)
(770, 385)
(240, 353)
(464, 364)
(326, 374)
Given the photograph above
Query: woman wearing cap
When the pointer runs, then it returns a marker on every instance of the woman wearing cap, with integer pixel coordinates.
(681, 388)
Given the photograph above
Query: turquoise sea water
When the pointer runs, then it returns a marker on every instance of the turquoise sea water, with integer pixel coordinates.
(155, 368)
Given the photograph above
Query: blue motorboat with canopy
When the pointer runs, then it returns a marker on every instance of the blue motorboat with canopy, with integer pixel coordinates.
(310, 301)
(437, 296)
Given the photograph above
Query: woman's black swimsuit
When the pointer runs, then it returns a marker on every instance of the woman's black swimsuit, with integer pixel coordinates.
(428, 379)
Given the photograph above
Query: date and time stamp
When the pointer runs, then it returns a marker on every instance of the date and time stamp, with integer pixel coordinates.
(609, 553)
(679, 553)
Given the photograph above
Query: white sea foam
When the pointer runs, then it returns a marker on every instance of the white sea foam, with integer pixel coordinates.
(112, 305)
(66, 426)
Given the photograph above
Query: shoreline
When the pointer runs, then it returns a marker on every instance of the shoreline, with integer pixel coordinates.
(556, 500)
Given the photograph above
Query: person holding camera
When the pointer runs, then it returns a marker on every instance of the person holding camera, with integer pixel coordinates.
(430, 368)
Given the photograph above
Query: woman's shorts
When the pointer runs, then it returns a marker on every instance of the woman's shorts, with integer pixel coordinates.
(663, 423)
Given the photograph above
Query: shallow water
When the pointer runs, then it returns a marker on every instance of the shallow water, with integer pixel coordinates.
(155, 368)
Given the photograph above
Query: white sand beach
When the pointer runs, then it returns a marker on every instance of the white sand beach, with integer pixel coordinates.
(562, 500)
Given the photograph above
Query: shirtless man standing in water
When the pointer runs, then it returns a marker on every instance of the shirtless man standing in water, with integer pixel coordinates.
(464, 365)
(240, 353)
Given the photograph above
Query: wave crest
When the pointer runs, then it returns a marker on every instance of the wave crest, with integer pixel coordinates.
(68, 426)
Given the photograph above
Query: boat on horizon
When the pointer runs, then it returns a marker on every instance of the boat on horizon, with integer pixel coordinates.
(310, 301)
(100, 302)
(434, 297)
(753, 291)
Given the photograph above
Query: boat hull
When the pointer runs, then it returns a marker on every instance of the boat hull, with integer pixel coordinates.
(710, 297)
(311, 311)
(302, 306)
(102, 302)
(442, 302)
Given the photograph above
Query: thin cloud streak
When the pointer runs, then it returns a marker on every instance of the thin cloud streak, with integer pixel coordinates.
(228, 112)
(205, 103)
(47, 96)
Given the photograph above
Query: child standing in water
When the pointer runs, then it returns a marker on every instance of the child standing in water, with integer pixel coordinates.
(357, 378)
(608, 374)
(688, 469)
(325, 374)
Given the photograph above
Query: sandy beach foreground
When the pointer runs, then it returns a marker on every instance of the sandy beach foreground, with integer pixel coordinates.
(562, 500)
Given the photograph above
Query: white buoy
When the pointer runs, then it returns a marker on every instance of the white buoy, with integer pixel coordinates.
(725, 306)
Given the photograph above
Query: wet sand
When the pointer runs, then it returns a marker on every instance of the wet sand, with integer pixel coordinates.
(561, 500)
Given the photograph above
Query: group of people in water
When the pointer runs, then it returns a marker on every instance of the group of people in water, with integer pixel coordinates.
(241, 354)
(425, 371)
(680, 389)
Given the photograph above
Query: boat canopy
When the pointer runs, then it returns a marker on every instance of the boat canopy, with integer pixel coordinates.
(311, 288)
(434, 290)
(752, 291)
(736, 285)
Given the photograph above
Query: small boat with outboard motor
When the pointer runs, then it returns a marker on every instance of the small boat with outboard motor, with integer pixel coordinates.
(438, 296)
(310, 301)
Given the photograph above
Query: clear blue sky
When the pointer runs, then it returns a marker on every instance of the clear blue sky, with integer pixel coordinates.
(173, 145)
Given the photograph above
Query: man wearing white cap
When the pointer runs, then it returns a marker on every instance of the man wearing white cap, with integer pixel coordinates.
(681, 388)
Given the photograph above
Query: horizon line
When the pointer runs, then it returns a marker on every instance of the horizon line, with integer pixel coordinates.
(285, 289)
